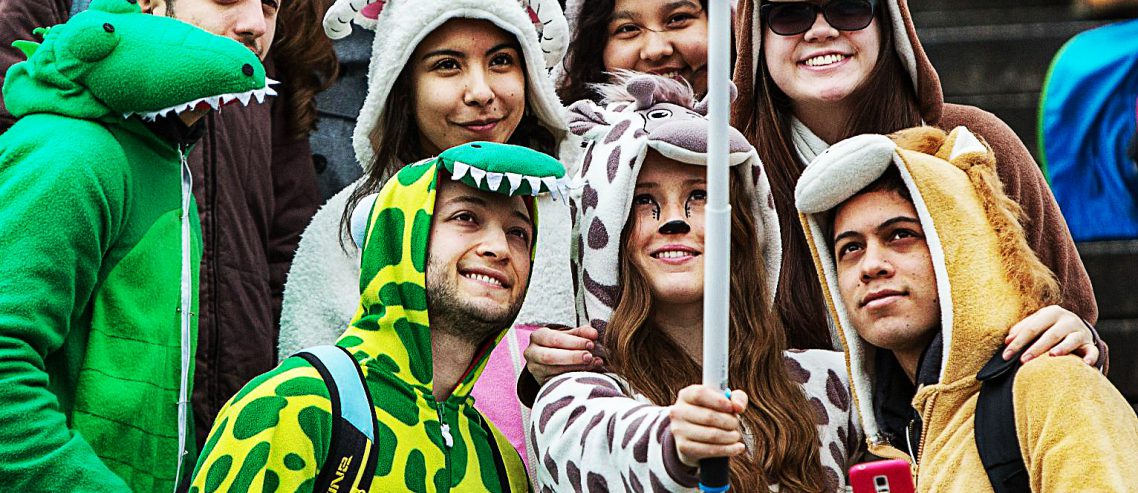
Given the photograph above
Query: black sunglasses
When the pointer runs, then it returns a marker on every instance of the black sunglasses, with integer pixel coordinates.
(791, 18)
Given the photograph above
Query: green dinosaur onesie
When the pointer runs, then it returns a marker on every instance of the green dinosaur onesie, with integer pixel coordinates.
(99, 248)
(274, 434)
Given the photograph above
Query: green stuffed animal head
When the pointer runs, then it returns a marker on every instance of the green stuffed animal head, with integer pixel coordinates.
(136, 63)
(501, 168)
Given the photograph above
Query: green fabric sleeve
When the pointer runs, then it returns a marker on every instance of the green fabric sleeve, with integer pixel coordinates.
(272, 436)
(62, 206)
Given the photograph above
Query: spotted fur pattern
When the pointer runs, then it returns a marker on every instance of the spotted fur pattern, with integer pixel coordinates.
(657, 115)
(278, 426)
(594, 434)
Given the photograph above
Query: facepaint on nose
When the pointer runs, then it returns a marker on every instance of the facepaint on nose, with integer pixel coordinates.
(675, 227)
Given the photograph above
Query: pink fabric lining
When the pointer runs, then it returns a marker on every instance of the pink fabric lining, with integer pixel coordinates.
(495, 393)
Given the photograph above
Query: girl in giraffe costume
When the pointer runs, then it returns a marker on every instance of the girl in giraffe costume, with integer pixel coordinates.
(280, 426)
(322, 290)
(626, 433)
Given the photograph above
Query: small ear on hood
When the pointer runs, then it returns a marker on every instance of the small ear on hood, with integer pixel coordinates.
(966, 149)
(925, 140)
(732, 94)
(642, 87)
(587, 119)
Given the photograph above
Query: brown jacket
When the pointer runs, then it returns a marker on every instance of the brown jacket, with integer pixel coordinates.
(1046, 229)
(17, 20)
(256, 191)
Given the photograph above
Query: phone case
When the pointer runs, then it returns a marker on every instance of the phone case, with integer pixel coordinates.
(883, 476)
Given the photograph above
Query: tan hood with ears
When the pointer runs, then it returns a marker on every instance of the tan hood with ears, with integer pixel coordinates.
(905, 43)
(986, 275)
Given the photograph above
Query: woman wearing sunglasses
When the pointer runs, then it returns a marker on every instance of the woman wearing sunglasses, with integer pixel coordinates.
(811, 73)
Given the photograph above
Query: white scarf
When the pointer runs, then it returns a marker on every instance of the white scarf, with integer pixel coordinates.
(808, 145)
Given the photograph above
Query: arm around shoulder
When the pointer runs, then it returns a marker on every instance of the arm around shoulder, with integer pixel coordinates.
(1078, 436)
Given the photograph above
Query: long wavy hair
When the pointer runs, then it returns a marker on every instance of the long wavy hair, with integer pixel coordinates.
(885, 102)
(304, 60)
(395, 141)
(584, 62)
(778, 416)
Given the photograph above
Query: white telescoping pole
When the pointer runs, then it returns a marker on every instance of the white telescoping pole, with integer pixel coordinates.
(717, 249)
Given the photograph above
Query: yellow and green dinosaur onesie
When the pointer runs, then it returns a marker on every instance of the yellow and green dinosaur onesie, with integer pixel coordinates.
(274, 434)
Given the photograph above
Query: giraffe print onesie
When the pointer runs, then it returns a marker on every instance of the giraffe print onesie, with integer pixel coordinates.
(592, 431)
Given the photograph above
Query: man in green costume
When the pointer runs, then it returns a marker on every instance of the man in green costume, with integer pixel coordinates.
(452, 236)
(100, 246)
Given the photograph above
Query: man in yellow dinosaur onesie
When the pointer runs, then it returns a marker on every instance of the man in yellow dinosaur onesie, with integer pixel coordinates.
(447, 247)
(925, 267)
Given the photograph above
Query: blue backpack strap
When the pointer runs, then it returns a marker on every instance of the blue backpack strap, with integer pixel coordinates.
(351, 462)
(996, 437)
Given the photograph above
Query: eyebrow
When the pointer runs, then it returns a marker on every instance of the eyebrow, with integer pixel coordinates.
(479, 201)
(624, 14)
(688, 182)
(459, 54)
(886, 224)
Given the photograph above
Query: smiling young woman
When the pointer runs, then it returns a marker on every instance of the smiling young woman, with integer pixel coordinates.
(660, 37)
(811, 73)
(442, 73)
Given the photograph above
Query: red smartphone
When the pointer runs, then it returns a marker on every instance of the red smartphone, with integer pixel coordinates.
(883, 476)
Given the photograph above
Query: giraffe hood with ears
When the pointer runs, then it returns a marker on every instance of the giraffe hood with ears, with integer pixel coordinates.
(644, 112)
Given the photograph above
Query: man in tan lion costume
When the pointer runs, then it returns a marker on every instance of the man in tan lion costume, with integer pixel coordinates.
(924, 268)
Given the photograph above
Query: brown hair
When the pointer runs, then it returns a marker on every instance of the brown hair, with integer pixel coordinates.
(395, 140)
(304, 60)
(778, 417)
(884, 103)
(585, 60)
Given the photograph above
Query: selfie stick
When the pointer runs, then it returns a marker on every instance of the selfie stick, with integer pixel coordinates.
(713, 475)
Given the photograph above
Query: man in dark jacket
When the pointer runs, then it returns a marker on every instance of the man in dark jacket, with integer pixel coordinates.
(255, 186)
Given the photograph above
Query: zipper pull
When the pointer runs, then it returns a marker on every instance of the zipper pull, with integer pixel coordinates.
(448, 440)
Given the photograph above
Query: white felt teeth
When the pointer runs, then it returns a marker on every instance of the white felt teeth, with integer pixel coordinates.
(534, 184)
(493, 180)
(214, 102)
(477, 175)
(460, 169)
(515, 181)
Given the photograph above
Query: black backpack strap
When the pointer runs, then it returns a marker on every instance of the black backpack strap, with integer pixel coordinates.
(996, 437)
(499, 461)
(350, 465)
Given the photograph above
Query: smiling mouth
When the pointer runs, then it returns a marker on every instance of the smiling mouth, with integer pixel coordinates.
(674, 254)
(824, 60)
(480, 126)
(487, 279)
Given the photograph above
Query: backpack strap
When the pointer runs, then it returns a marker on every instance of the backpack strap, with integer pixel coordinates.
(499, 461)
(996, 437)
(350, 465)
